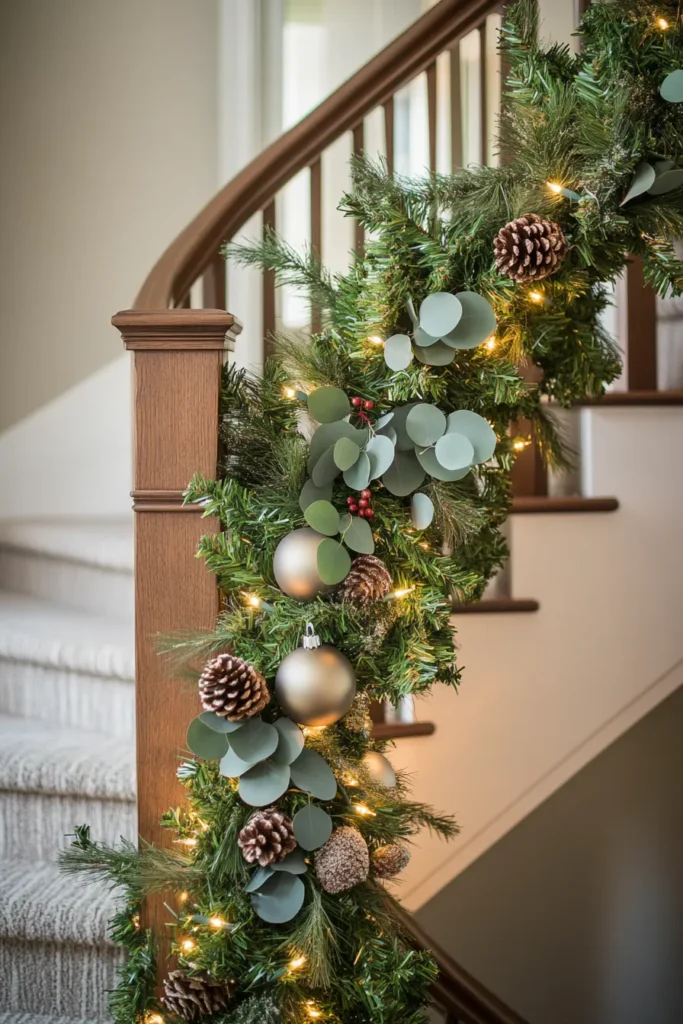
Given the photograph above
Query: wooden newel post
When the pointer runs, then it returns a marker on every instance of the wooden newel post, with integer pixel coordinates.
(177, 359)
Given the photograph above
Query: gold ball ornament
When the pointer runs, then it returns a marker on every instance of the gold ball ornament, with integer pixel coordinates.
(295, 564)
(380, 769)
(315, 684)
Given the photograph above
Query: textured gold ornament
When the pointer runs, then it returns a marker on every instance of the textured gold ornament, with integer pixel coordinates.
(295, 564)
(316, 684)
(380, 769)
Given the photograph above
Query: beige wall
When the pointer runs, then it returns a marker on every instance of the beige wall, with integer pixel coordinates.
(109, 146)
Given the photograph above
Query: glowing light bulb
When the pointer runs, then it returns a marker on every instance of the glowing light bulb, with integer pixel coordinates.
(188, 945)
(289, 392)
(297, 963)
(183, 896)
(350, 781)
(364, 811)
(424, 545)
(554, 187)
(253, 600)
(154, 1018)
(536, 296)
(491, 344)
(312, 1010)
(217, 922)
(187, 841)
(402, 593)
(375, 339)
(662, 24)
(520, 444)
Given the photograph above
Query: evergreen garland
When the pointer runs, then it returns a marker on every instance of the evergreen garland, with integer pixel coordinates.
(583, 123)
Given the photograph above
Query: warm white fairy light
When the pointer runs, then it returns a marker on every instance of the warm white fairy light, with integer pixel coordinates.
(402, 593)
(183, 896)
(297, 963)
(536, 296)
(554, 187)
(188, 945)
(217, 922)
(312, 1010)
(375, 339)
(154, 1018)
(289, 392)
(364, 811)
(253, 600)
(662, 24)
(491, 344)
(186, 841)
(520, 444)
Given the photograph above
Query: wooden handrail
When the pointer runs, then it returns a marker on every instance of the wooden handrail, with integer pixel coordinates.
(412, 52)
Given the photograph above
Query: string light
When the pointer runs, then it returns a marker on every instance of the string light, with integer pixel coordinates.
(183, 897)
(314, 730)
(662, 24)
(520, 444)
(364, 811)
(253, 600)
(154, 1018)
(217, 922)
(188, 945)
(536, 296)
(186, 841)
(297, 963)
(350, 781)
(375, 339)
(312, 1010)
(289, 392)
(424, 545)
(491, 344)
(135, 919)
(554, 187)
(402, 593)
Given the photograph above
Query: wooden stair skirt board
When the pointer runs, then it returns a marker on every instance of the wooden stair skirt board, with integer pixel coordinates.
(527, 505)
(627, 398)
(497, 606)
(399, 730)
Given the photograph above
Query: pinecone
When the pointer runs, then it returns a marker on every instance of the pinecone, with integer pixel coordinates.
(368, 580)
(358, 719)
(196, 996)
(232, 688)
(529, 248)
(267, 837)
(389, 861)
(344, 860)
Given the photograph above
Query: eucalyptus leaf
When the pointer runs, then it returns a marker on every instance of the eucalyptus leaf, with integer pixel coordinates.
(327, 435)
(425, 424)
(346, 453)
(667, 182)
(436, 355)
(671, 88)
(422, 339)
(477, 323)
(410, 306)
(403, 442)
(259, 878)
(232, 766)
(454, 451)
(421, 511)
(643, 177)
(264, 783)
(218, 723)
(398, 352)
(311, 493)
(255, 741)
(204, 741)
(291, 741)
(323, 517)
(440, 314)
(325, 469)
(389, 432)
(380, 451)
(312, 773)
(477, 430)
(383, 420)
(404, 475)
(294, 863)
(359, 537)
(328, 404)
(279, 899)
(358, 477)
(345, 521)
(664, 165)
(428, 461)
(334, 562)
(312, 827)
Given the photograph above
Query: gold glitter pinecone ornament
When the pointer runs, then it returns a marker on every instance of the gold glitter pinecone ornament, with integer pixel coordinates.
(357, 718)
(530, 248)
(196, 996)
(344, 860)
(267, 837)
(389, 861)
(232, 688)
(368, 580)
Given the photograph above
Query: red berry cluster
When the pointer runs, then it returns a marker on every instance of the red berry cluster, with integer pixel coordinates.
(361, 505)
(358, 403)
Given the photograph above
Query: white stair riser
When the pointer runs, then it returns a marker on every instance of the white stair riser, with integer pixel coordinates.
(88, 588)
(67, 698)
(42, 823)
(57, 980)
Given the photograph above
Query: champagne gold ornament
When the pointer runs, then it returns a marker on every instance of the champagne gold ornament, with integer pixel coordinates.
(315, 685)
(380, 769)
(295, 564)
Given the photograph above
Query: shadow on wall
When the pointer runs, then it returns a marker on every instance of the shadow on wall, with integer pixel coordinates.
(576, 916)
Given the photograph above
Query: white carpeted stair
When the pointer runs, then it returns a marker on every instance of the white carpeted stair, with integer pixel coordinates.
(66, 758)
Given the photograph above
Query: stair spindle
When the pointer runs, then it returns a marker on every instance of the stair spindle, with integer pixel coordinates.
(431, 114)
(268, 286)
(389, 112)
(641, 329)
(358, 147)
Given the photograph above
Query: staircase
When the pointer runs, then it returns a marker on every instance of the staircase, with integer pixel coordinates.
(67, 703)
(66, 757)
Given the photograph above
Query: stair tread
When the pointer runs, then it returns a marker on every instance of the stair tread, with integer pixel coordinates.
(105, 544)
(45, 634)
(20, 1017)
(45, 905)
(37, 758)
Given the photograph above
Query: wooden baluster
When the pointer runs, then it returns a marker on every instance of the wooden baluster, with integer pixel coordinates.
(529, 474)
(358, 147)
(316, 230)
(177, 360)
(456, 107)
(641, 329)
(214, 284)
(483, 94)
(389, 112)
(185, 302)
(268, 287)
(431, 114)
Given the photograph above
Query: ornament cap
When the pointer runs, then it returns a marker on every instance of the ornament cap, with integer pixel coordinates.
(310, 639)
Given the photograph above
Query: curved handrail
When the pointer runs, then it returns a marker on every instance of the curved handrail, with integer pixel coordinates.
(190, 254)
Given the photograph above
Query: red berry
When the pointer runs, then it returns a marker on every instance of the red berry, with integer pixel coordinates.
(356, 402)
(368, 405)
(366, 493)
(369, 513)
(364, 503)
(353, 508)
(362, 513)
(351, 500)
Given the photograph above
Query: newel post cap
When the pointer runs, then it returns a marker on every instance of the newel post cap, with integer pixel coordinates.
(177, 328)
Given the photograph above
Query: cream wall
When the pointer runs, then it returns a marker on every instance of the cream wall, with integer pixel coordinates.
(108, 113)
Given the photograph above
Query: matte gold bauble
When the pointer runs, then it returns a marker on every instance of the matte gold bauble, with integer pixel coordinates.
(295, 564)
(316, 684)
(380, 769)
